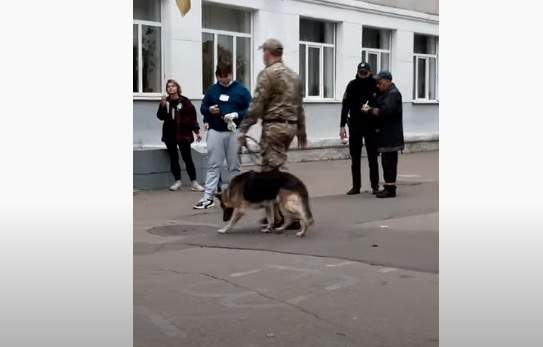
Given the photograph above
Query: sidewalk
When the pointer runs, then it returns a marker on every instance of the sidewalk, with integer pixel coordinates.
(366, 274)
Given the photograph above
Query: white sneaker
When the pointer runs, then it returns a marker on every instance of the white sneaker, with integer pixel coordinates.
(196, 187)
(204, 204)
(175, 186)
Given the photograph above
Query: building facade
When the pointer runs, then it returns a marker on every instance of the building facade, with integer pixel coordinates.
(323, 40)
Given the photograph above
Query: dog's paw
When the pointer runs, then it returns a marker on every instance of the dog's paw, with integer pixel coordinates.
(300, 234)
(222, 230)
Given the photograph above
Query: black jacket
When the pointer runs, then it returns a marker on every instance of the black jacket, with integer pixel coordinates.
(389, 115)
(180, 122)
(358, 91)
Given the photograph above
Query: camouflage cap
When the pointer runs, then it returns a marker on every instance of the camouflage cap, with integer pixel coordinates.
(272, 45)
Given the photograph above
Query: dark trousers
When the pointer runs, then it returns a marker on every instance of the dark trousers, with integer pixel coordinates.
(389, 160)
(356, 137)
(184, 148)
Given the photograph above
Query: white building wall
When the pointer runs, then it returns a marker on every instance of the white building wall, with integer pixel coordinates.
(183, 46)
(280, 19)
(402, 62)
(348, 38)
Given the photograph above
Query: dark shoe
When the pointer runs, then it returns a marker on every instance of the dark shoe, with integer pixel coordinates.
(277, 224)
(375, 191)
(388, 192)
(294, 226)
(353, 191)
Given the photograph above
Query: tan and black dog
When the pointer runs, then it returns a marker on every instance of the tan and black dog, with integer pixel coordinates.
(256, 190)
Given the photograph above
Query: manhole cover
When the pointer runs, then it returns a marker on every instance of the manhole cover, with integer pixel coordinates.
(180, 230)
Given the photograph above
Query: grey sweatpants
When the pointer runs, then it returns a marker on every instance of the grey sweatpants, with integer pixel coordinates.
(221, 145)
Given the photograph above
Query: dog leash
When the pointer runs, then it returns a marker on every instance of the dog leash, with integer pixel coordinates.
(256, 142)
(255, 154)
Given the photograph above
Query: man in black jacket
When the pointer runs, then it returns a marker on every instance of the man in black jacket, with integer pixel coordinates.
(388, 112)
(360, 91)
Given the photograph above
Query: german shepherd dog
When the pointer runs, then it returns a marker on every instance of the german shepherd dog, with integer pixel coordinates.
(269, 190)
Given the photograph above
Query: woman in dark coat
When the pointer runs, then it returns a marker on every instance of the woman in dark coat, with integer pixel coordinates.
(180, 126)
(388, 112)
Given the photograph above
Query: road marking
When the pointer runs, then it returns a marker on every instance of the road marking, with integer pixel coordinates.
(297, 299)
(340, 264)
(162, 323)
(409, 176)
(239, 274)
(384, 270)
(347, 282)
(291, 268)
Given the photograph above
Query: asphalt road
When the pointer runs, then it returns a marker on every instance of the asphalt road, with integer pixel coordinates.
(365, 275)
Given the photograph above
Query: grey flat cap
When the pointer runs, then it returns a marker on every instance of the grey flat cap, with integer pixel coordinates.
(384, 75)
(273, 45)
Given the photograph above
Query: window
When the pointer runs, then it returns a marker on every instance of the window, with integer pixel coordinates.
(317, 58)
(226, 36)
(376, 48)
(425, 61)
(147, 47)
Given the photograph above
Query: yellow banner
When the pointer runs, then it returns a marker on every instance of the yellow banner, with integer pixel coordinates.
(183, 6)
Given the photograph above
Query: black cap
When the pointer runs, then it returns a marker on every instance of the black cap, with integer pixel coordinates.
(364, 66)
(384, 75)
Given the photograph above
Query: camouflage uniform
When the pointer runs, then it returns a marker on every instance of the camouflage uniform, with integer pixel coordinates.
(278, 101)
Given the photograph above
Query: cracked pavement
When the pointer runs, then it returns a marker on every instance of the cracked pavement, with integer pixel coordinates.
(365, 275)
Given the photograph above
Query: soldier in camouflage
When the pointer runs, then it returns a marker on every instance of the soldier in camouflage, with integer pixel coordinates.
(278, 101)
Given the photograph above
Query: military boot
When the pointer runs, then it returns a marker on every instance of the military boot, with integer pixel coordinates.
(353, 191)
(389, 191)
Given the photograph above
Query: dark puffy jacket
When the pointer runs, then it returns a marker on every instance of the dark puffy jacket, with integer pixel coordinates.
(180, 121)
(358, 91)
(390, 133)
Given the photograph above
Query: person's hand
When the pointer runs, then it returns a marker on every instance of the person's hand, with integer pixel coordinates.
(163, 101)
(302, 140)
(366, 108)
(198, 136)
(242, 140)
(214, 109)
(206, 126)
(342, 133)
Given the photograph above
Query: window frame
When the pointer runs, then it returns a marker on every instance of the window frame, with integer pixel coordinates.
(139, 22)
(320, 46)
(426, 57)
(235, 35)
(377, 51)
